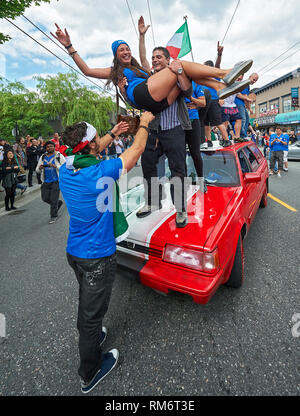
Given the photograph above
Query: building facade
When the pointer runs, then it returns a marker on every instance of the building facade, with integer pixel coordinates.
(278, 103)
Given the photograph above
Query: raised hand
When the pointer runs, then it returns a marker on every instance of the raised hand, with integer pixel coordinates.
(220, 49)
(120, 128)
(141, 26)
(62, 37)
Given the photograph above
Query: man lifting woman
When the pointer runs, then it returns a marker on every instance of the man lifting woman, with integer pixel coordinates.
(156, 92)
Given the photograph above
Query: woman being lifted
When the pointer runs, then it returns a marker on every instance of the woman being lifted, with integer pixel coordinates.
(156, 92)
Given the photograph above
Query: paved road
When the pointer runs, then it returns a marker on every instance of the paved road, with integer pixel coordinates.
(241, 343)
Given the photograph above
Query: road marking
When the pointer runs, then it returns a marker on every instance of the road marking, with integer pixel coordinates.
(282, 203)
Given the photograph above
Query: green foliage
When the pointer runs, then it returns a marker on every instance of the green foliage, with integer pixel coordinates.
(14, 8)
(64, 96)
(59, 96)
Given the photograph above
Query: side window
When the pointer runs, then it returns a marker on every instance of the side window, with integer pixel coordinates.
(243, 162)
(251, 158)
(256, 152)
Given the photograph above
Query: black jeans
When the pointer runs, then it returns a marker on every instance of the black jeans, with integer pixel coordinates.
(31, 169)
(50, 195)
(10, 196)
(95, 278)
(193, 140)
(172, 143)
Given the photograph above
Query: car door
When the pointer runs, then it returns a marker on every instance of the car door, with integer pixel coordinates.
(257, 189)
(249, 189)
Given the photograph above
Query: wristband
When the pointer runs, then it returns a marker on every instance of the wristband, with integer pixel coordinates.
(68, 46)
(144, 127)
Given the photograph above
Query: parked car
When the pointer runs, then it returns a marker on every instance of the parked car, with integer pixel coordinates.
(209, 251)
(294, 151)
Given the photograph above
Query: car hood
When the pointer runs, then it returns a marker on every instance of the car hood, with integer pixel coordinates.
(204, 212)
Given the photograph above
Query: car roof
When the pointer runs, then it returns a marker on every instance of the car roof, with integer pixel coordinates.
(217, 146)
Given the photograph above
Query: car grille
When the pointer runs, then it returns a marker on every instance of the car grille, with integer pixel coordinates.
(141, 249)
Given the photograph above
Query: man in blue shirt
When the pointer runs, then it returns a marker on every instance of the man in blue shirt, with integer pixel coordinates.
(91, 248)
(49, 164)
(277, 146)
(243, 102)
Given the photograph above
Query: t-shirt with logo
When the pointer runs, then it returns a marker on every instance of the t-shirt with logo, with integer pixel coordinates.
(277, 146)
(49, 172)
(89, 197)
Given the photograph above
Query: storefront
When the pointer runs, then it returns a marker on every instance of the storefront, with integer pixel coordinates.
(290, 120)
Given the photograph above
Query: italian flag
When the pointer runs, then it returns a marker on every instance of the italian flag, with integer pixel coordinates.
(180, 44)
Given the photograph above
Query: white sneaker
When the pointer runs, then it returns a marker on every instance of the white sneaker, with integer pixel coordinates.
(278, 174)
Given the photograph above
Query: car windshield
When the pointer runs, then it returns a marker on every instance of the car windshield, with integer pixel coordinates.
(219, 168)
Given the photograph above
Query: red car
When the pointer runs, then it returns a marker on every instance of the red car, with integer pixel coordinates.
(208, 252)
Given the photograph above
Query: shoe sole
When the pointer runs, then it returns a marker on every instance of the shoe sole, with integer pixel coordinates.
(232, 91)
(116, 360)
(242, 71)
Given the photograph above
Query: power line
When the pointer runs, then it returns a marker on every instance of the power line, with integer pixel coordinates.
(279, 56)
(53, 41)
(151, 23)
(132, 19)
(280, 62)
(52, 53)
(231, 21)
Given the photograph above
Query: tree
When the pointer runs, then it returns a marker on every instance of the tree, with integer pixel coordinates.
(13, 8)
(21, 106)
(64, 96)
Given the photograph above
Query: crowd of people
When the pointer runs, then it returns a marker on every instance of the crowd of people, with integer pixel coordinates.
(192, 105)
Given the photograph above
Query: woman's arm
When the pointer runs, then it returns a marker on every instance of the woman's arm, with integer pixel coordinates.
(64, 39)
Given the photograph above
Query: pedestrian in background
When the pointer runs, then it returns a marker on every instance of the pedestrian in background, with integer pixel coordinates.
(49, 165)
(10, 171)
(277, 146)
(34, 152)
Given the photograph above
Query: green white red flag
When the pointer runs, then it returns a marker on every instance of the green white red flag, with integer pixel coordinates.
(180, 44)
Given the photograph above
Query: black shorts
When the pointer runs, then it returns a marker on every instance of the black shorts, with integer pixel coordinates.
(230, 114)
(144, 100)
(213, 116)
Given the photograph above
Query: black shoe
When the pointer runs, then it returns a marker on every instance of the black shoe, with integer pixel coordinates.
(14, 207)
(210, 143)
(7, 209)
(146, 210)
(181, 219)
(226, 143)
(108, 362)
(30, 186)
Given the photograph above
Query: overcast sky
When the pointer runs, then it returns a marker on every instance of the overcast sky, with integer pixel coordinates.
(261, 30)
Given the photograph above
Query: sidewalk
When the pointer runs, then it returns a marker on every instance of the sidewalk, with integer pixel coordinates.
(35, 188)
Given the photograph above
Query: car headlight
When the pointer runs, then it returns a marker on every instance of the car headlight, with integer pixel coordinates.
(192, 259)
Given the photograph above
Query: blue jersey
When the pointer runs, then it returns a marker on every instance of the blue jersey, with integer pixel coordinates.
(238, 101)
(50, 173)
(197, 92)
(286, 138)
(276, 146)
(89, 197)
(213, 92)
(133, 80)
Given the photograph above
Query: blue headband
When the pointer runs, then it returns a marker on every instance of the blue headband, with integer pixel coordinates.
(116, 44)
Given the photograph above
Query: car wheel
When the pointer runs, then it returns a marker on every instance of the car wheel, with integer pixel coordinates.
(237, 273)
(264, 199)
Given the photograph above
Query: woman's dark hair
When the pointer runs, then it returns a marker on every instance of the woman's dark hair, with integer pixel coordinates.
(5, 158)
(117, 70)
(209, 63)
(73, 135)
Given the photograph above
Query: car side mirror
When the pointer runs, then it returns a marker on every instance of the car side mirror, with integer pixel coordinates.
(252, 177)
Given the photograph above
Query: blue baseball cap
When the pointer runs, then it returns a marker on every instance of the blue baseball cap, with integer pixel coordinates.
(116, 44)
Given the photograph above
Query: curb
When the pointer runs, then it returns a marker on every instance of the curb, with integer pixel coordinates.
(28, 191)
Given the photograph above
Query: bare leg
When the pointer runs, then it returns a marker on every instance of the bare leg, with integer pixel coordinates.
(223, 130)
(161, 83)
(237, 128)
